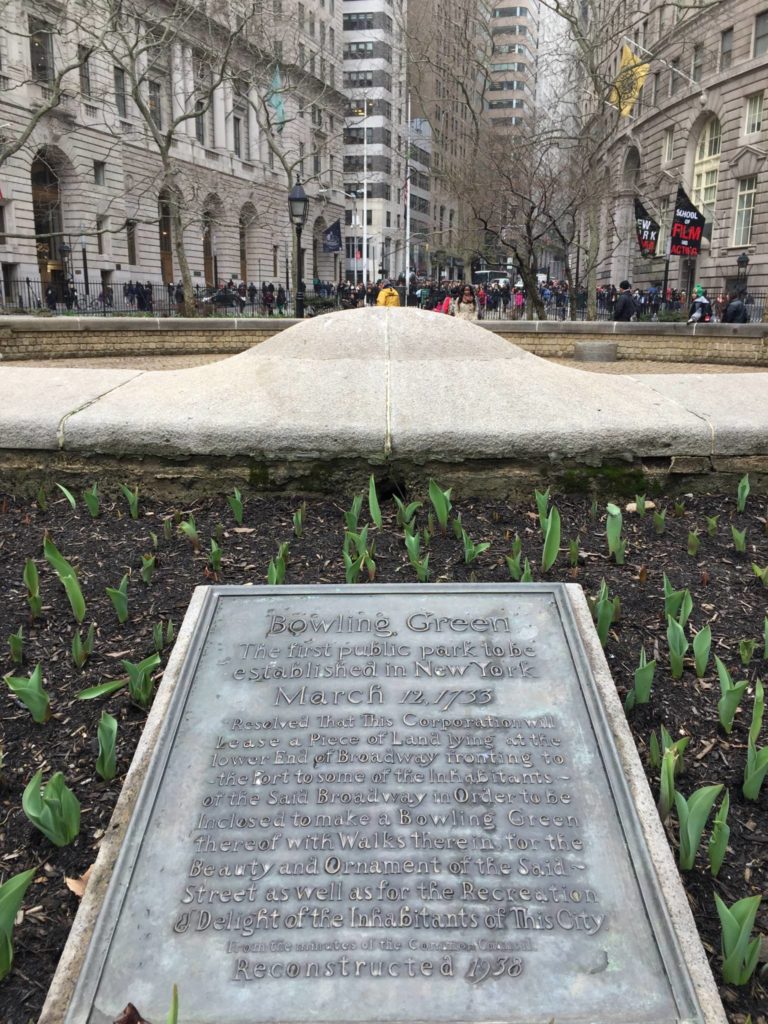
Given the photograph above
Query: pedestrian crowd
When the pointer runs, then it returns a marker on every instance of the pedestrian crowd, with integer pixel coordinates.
(498, 299)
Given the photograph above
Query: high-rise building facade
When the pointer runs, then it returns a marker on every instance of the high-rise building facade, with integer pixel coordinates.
(511, 89)
(374, 54)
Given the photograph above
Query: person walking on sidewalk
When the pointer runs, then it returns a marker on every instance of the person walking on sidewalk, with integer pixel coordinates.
(625, 307)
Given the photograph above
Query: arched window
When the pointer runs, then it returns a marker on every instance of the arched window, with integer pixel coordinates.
(706, 168)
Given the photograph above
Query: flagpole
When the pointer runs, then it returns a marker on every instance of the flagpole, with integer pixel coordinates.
(365, 191)
(408, 198)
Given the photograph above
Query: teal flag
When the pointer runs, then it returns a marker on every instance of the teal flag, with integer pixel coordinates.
(275, 101)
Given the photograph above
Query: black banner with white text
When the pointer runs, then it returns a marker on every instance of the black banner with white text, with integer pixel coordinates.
(647, 230)
(687, 227)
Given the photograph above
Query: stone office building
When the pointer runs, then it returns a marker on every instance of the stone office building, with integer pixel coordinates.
(701, 120)
(86, 196)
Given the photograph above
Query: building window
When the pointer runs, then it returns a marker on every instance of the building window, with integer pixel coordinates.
(2, 225)
(85, 70)
(359, 79)
(726, 49)
(41, 50)
(761, 34)
(674, 76)
(121, 101)
(237, 135)
(155, 103)
(99, 172)
(130, 239)
(355, 50)
(754, 119)
(274, 261)
(697, 62)
(745, 207)
(706, 168)
(359, 21)
(100, 235)
(669, 145)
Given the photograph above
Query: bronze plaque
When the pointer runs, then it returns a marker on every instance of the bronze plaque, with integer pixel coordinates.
(384, 804)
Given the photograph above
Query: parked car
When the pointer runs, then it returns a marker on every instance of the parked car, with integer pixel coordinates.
(226, 297)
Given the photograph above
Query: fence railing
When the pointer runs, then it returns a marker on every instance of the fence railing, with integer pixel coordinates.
(35, 296)
(147, 299)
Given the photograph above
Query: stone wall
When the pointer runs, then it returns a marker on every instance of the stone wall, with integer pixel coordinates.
(29, 337)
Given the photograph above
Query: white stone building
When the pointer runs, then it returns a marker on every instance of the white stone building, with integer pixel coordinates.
(701, 120)
(86, 196)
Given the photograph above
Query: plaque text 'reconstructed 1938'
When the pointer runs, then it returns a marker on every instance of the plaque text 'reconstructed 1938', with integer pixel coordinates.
(385, 804)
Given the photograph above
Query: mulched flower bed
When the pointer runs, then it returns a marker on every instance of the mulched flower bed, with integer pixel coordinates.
(725, 591)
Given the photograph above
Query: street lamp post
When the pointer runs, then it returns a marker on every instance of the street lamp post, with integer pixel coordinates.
(298, 208)
(65, 252)
(84, 253)
(742, 262)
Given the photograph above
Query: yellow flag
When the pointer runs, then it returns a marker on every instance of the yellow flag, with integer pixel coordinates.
(633, 72)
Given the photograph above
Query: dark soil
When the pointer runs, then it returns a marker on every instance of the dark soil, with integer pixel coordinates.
(725, 591)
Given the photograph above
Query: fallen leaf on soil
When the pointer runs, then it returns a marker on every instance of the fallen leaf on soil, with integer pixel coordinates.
(78, 885)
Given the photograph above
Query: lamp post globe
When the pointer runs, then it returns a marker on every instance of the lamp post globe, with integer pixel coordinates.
(298, 208)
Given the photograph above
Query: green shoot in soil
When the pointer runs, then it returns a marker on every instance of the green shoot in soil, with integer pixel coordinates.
(53, 809)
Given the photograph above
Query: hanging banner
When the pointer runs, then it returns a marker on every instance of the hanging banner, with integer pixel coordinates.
(647, 230)
(687, 227)
(332, 238)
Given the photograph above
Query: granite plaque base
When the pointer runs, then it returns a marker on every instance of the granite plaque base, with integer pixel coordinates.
(388, 804)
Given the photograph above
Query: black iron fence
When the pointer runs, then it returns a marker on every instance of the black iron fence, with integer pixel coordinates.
(33, 296)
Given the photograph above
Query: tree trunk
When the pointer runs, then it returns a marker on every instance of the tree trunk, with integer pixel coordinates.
(592, 254)
(177, 232)
(533, 300)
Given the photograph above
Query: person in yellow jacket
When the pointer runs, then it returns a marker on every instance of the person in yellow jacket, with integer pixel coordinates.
(388, 296)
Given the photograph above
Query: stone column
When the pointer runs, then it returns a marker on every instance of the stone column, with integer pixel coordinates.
(178, 105)
(254, 132)
(229, 108)
(219, 118)
(189, 84)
